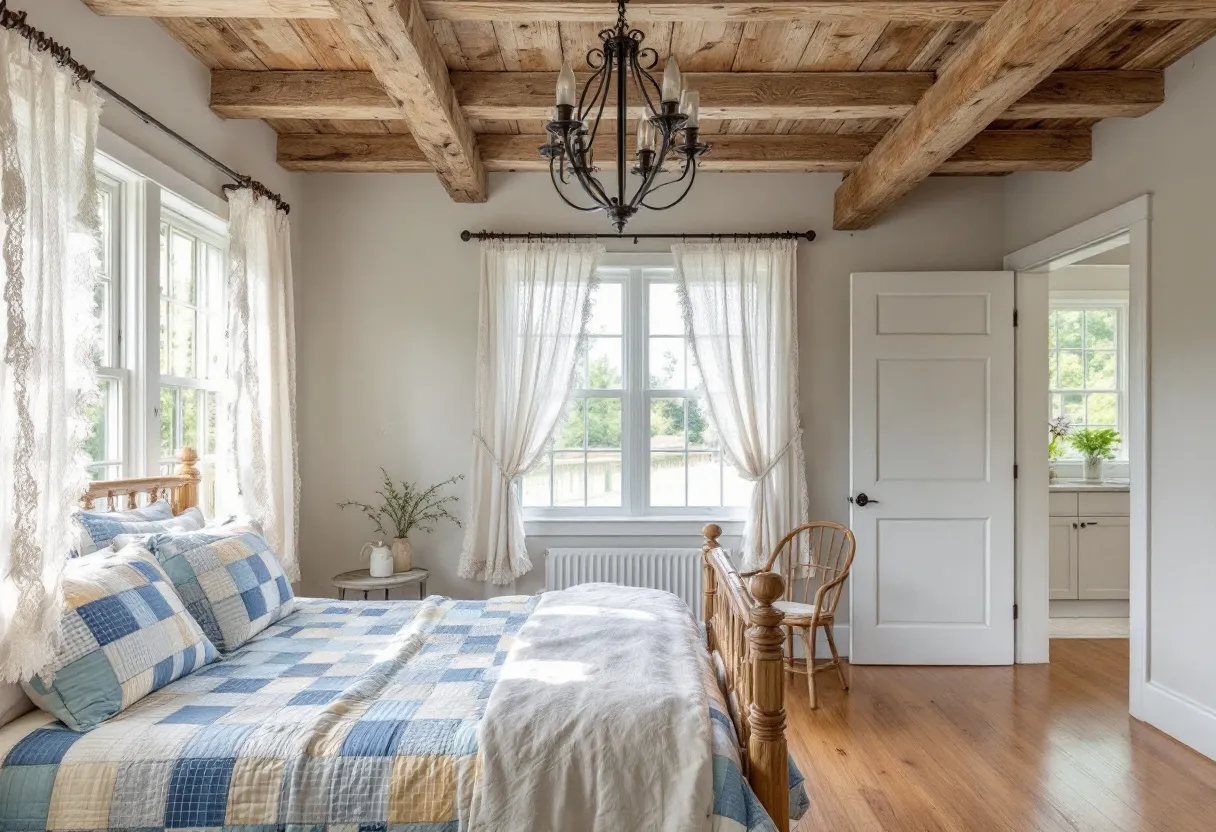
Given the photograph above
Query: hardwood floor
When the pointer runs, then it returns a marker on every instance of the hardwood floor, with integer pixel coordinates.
(1043, 747)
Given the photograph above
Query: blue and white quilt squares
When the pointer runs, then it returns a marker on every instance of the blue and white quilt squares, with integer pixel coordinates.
(125, 635)
(341, 717)
(228, 579)
(97, 530)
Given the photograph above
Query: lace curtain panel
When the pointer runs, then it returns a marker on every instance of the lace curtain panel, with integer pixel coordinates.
(535, 303)
(740, 306)
(49, 227)
(262, 452)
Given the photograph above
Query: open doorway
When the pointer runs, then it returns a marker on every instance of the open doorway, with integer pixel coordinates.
(1082, 353)
(1088, 383)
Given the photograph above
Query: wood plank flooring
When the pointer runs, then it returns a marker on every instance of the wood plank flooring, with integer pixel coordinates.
(1042, 747)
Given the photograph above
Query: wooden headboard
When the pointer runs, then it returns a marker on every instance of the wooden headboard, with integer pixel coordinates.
(743, 629)
(180, 489)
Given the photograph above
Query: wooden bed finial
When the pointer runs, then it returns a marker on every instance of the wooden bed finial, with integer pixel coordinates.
(766, 746)
(187, 496)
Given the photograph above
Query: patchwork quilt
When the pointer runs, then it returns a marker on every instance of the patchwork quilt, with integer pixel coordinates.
(341, 716)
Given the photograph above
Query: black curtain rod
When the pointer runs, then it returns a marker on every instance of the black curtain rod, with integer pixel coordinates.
(39, 40)
(547, 235)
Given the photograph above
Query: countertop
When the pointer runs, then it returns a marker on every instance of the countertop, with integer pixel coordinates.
(1109, 484)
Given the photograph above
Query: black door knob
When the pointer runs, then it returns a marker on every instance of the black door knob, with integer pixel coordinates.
(861, 500)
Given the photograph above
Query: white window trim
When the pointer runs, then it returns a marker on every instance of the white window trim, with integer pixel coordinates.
(635, 516)
(148, 186)
(1090, 299)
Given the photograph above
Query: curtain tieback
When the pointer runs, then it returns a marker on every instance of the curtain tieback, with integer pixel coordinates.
(507, 478)
(768, 469)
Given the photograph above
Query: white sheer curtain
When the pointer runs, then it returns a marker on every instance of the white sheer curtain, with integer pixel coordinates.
(535, 302)
(262, 454)
(49, 225)
(740, 304)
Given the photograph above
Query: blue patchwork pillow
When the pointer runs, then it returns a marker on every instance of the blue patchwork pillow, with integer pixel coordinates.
(98, 529)
(228, 579)
(125, 635)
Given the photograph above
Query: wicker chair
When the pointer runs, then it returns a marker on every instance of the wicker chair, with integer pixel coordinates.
(832, 550)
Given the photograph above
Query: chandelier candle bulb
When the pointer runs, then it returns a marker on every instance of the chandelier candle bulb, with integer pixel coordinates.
(690, 105)
(565, 86)
(645, 135)
(672, 83)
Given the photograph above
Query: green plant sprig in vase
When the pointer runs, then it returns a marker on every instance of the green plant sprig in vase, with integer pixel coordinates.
(405, 508)
(1095, 445)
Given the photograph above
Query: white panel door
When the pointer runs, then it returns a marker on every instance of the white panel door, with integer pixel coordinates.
(932, 468)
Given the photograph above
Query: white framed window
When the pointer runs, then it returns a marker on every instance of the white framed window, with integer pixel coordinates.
(637, 440)
(1087, 363)
(192, 351)
(161, 312)
(106, 445)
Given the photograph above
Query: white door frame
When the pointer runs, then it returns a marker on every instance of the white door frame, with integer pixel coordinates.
(1032, 640)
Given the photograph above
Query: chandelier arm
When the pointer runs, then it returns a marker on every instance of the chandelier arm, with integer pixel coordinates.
(589, 182)
(680, 198)
(640, 76)
(597, 76)
(557, 187)
(683, 175)
(601, 96)
(648, 179)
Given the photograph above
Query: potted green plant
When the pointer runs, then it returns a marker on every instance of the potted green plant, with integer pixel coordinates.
(1095, 445)
(405, 508)
(1057, 431)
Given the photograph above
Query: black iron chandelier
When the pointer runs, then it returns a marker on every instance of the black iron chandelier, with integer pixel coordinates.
(665, 132)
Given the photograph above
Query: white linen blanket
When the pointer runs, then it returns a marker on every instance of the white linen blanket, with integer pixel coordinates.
(599, 721)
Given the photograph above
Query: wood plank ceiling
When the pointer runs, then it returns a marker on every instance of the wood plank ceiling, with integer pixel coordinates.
(786, 84)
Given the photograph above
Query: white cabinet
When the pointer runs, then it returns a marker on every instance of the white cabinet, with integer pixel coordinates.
(1103, 558)
(1062, 547)
(1089, 546)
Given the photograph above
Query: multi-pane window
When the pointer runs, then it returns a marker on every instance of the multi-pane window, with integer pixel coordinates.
(637, 437)
(157, 394)
(105, 445)
(1086, 365)
(192, 345)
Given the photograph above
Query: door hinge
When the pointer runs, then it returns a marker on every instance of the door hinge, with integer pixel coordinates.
(1015, 317)
(1015, 612)
(1015, 472)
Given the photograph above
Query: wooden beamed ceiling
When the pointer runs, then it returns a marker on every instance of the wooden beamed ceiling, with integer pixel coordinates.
(886, 91)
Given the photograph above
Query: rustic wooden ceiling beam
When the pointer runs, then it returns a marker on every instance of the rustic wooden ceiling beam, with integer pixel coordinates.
(673, 11)
(1008, 57)
(399, 44)
(505, 96)
(993, 151)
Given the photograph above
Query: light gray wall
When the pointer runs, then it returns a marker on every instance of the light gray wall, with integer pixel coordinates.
(389, 317)
(1168, 154)
(140, 60)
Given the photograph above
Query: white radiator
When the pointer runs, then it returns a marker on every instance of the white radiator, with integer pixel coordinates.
(675, 570)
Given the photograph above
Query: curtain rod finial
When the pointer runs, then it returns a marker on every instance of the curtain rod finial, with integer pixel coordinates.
(466, 235)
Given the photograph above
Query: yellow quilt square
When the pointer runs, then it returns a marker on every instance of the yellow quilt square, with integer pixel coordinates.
(231, 550)
(81, 796)
(253, 796)
(422, 790)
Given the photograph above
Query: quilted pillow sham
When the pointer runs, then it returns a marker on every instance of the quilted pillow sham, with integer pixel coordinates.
(228, 579)
(125, 635)
(98, 529)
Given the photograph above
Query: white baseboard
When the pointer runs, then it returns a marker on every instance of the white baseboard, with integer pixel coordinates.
(841, 633)
(1182, 718)
(1068, 608)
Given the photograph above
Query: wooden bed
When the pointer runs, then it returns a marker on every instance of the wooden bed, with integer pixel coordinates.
(744, 631)
(180, 489)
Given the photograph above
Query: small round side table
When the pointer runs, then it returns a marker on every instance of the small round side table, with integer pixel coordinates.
(361, 579)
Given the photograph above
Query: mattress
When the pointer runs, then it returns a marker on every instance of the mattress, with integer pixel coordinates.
(342, 716)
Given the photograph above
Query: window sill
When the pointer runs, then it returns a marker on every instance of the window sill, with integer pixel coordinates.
(677, 526)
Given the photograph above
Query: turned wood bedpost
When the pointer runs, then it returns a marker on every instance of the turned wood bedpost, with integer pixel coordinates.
(766, 746)
(712, 532)
(186, 495)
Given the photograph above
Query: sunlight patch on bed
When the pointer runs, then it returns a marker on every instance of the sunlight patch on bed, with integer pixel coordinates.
(551, 672)
(589, 611)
